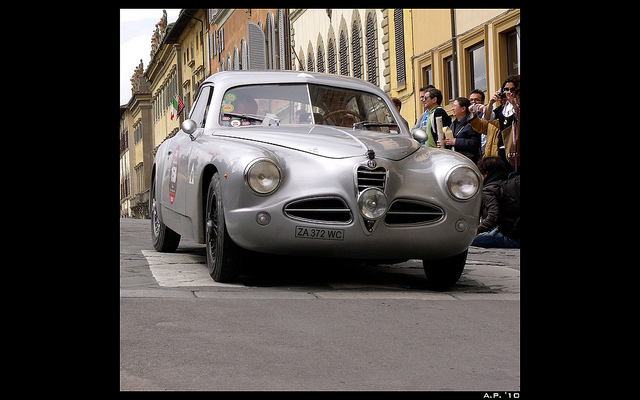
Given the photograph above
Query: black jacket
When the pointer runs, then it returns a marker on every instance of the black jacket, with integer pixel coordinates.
(467, 139)
(490, 210)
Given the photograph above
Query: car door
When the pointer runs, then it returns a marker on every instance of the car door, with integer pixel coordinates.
(183, 161)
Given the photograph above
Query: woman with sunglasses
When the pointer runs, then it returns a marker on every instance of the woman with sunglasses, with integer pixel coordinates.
(505, 97)
(503, 130)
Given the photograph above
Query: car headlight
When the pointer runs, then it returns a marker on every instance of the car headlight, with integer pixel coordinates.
(463, 182)
(263, 176)
(372, 203)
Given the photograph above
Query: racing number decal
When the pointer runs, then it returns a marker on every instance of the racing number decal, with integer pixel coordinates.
(173, 184)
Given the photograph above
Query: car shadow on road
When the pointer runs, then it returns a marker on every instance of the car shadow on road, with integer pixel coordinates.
(340, 274)
(313, 273)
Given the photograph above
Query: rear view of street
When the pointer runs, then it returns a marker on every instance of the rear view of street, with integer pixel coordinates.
(310, 324)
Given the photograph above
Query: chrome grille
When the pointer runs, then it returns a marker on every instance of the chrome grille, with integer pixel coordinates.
(410, 212)
(319, 209)
(368, 178)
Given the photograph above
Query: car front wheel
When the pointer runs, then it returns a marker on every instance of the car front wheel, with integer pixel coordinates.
(224, 257)
(445, 272)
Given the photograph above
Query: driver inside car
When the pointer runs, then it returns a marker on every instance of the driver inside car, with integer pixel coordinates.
(347, 120)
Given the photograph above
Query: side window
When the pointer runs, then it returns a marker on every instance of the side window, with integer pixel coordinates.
(201, 106)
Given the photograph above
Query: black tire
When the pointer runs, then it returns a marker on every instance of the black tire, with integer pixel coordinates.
(164, 239)
(224, 257)
(445, 272)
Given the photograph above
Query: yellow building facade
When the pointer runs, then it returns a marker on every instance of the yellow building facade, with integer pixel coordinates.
(456, 50)
(162, 72)
(189, 37)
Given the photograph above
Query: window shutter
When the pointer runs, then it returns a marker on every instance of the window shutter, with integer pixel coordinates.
(372, 68)
(281, 44)
(356, 50)
(256, 45)
(243, 50)
(398, 21)
(320, 60)
(331, 57)
(271, 41)
(344, 54)
(310, 63)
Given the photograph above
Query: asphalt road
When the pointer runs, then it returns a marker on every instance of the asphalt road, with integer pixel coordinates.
(299, 324)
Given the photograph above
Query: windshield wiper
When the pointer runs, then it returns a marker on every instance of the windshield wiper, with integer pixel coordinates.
(261, 118)
(368, 123)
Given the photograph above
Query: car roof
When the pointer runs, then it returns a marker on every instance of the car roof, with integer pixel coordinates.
(247, 77)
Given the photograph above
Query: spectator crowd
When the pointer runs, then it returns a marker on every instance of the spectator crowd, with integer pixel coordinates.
(489, 135)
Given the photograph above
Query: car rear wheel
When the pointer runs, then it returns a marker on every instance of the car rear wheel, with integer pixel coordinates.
(164, 239)
(445, 272)
(224, 257)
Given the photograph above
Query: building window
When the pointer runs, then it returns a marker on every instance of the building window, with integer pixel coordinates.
(213, 48)
(513, 53)
(398, 21)
(137, 134)
(478, 67)
(331, 56)
(450, 84)
(372, 67)
(427, 76)
(320, 59)
(245, 57)
(310, 61)
(236, 58)
(344, 54)
(356, 50)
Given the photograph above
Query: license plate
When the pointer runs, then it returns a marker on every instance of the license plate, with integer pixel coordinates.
(319, 233)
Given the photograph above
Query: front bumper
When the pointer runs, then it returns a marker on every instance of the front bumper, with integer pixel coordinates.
(420, 179)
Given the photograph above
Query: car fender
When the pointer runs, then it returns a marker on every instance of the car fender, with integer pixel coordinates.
(229, 158)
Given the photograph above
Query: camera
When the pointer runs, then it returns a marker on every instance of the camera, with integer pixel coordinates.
(503, 95)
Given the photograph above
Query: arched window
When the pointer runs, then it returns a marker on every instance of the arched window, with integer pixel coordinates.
(310, 62)
(243, 51)
(331, 56)
(398, 22)
(236, 58)
(372, 50)
(344, 54)
(320, 59)
(301, 60)
(356, 50)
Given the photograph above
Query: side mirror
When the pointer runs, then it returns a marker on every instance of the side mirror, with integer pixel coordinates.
(418, 134)
(189, 126)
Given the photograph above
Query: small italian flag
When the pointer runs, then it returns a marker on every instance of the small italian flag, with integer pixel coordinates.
(177, 107)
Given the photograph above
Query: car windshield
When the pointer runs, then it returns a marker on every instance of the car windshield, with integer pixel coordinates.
(305, 104)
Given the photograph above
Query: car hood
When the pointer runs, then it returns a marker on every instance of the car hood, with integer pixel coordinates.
(328, 141)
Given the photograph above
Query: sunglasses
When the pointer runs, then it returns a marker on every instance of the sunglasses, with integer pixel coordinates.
(509, 89)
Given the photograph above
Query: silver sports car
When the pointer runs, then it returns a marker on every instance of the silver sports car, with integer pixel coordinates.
(298, 163)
